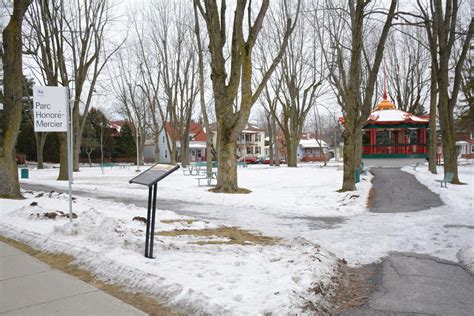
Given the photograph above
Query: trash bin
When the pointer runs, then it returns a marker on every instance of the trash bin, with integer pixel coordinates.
(357, 175)
(24, 173)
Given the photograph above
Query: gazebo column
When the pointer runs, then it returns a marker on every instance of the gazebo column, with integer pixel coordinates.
(373, 138)
(404, 140)
(424, 139)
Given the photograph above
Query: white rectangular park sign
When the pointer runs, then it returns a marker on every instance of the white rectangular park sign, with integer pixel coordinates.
(50, 109)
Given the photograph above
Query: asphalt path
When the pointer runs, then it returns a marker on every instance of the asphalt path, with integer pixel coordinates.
(397, 191)
(409, 283)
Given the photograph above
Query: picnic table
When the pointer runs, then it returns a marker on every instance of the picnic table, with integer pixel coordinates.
(208, 178)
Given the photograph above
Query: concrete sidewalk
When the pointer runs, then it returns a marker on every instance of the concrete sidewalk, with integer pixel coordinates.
(30, 287)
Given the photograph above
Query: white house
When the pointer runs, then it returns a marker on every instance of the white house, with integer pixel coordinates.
(312, 149)
(197, 143)
(251, 142)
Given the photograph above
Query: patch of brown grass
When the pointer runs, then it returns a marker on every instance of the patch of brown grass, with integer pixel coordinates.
(234, 191)
(63, 262)
(371, 198)
(349, 289)
(235, 235)
(171, 221)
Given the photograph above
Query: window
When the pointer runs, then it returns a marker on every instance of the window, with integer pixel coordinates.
(413, 136)
(166, 153)
(257, 150)
(383, 138)
(472, 148)
(366, 138)
(248, 137)
(257, 137)
(249, 150)
(163, 139)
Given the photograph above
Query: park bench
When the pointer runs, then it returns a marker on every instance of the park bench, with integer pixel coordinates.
(415, 165)
(448, 177)
(208, 178)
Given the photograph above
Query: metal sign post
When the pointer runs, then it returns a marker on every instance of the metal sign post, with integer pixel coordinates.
(150, 178)
(51, 113)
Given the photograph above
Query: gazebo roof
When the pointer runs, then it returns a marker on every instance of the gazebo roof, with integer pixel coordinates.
(394, 116)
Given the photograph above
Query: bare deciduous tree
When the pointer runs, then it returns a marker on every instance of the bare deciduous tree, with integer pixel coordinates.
(408, 73)
(67, 42)
(228, 81)
(443, 31)
(173, 40)
(343, 32)
(11, 55)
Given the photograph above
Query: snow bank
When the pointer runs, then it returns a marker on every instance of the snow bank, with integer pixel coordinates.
(466, 257)
(211, 279)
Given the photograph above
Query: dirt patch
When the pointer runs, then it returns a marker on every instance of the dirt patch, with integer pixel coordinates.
(234, 236)
(172, 221)
(371, 197)
(236, 191)
(64, 263)
(350, 288)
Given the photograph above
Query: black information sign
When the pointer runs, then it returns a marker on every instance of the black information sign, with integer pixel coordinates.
(150, 178)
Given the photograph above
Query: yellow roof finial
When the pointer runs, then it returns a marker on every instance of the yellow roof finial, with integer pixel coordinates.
(385, 104)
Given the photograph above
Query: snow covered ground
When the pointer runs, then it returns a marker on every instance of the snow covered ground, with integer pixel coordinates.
(210, 278)
(441, 231)
(306, 190)
(300, 205)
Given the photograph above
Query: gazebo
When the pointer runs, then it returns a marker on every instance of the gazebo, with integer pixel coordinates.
(393, 138)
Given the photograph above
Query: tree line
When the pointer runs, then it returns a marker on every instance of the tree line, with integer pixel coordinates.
(220, 60)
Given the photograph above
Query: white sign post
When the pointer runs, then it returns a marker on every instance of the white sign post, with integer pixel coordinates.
(51, 114)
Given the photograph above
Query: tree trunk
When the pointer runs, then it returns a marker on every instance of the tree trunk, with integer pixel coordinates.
(40, 138)
(156, 152)
(77, 137)
(291, 152)
(63, 161)
(275, 141)
(227, 168)
(449, 143)
(433, 136)
(349, 156)
(185, 159)
(13, 100)
(446, 120)
(358, 147)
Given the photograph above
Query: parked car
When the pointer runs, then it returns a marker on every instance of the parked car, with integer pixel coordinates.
(248, 159)
(266, 161)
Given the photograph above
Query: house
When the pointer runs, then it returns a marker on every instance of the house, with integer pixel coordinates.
(465, 145)
(251, 141)
(116, 127)
(197, 143)
(312, 149)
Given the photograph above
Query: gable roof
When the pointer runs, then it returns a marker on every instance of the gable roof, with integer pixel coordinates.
(194, 129)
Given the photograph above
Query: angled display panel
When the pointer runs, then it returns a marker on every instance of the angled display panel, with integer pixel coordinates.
(154, 174)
